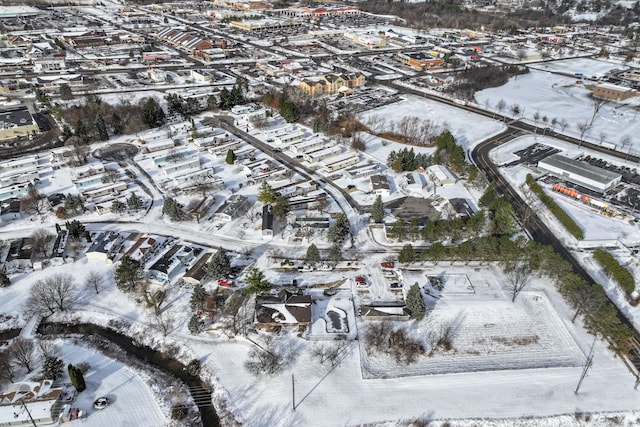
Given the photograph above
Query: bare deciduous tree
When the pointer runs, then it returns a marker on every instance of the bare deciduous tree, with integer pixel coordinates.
(110, 176)
(583, 128)
(48, 348)
(55, 293)
(22, 353)
(94, 281)
(6, 368)
(34, 202)
(40, 240)
(328, 353)
(263, 362)
(518, 273)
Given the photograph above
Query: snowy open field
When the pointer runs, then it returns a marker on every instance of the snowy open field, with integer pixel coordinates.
(561, 98)
(592, 68)
(468, 128)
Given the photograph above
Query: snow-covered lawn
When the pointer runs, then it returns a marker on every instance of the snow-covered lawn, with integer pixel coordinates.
(131, 401)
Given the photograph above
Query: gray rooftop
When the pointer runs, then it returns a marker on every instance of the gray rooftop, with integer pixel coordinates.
(577, 167)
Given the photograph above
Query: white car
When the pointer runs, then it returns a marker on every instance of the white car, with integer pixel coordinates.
(101, 402)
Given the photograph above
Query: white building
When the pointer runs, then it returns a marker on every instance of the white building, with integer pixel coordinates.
(580, 173)
(39, 399)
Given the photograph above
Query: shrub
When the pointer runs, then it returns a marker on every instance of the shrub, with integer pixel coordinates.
(564, 218)
(179, 411)
(613, 268)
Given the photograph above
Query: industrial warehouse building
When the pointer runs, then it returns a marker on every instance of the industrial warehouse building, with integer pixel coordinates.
(579, 173)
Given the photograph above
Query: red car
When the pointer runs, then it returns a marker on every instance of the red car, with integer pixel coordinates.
(225, 283)
(360, 279)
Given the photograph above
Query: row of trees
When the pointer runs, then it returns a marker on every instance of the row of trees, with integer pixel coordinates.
(613, 268)
(557, 211)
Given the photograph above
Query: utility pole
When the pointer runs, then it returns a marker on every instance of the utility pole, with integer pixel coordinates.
(293, 391)
(587, 364)
(28, 413)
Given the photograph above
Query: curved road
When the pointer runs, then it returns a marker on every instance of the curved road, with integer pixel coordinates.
(536, 228)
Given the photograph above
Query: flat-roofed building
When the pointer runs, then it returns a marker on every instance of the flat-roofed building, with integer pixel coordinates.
(613, 92)
(17, 122)
(580, 173)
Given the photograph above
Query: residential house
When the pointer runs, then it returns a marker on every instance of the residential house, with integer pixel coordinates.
(20, 254)
(196, 274)
(267, 222)
(172, 263)
(104, 247)
(10, 210)
(142, 249)
(286, 309)
(380, 185)
(29, 403)
(234, 207)
(59, 247)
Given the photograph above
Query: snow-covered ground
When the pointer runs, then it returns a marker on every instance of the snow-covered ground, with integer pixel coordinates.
(592, 68)
(132, 403)
(561, 98)
(598, 229)
(468, 128)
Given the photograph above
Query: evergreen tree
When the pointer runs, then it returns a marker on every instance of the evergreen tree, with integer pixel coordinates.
(65, 92)
(407, 254)
(101, 128)
(81, 131)
(152, 113)
(313, 254)
(74, 204)
(195, 324)
(118, 207)
(198, 297)
(225, 102)
(339, 230)
(128, 274)
(281, 207)
(134, 202)
(4, 280)
(66, 132)
(415, 302)
(52, 368)
(173, 210)
(116, 124)
(266, 194)
(288, 111)
(256, 281)
(231, 157)
(377, 210)
(75, 228)
(76, 377)
(335, 254)
(220, 265)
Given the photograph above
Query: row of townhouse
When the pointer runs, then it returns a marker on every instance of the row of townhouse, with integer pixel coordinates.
(332, 83)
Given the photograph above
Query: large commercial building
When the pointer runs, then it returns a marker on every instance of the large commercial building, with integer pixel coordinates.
(17, 122)
(579, 173)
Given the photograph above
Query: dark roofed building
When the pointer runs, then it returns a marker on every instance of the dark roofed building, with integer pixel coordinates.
(409, 208)
(286, 308)
(267, 221)
(17, 122)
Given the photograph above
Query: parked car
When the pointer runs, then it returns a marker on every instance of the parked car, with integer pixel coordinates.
(101, 403)
(305, 268)
(225, 283)
(395, 285)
